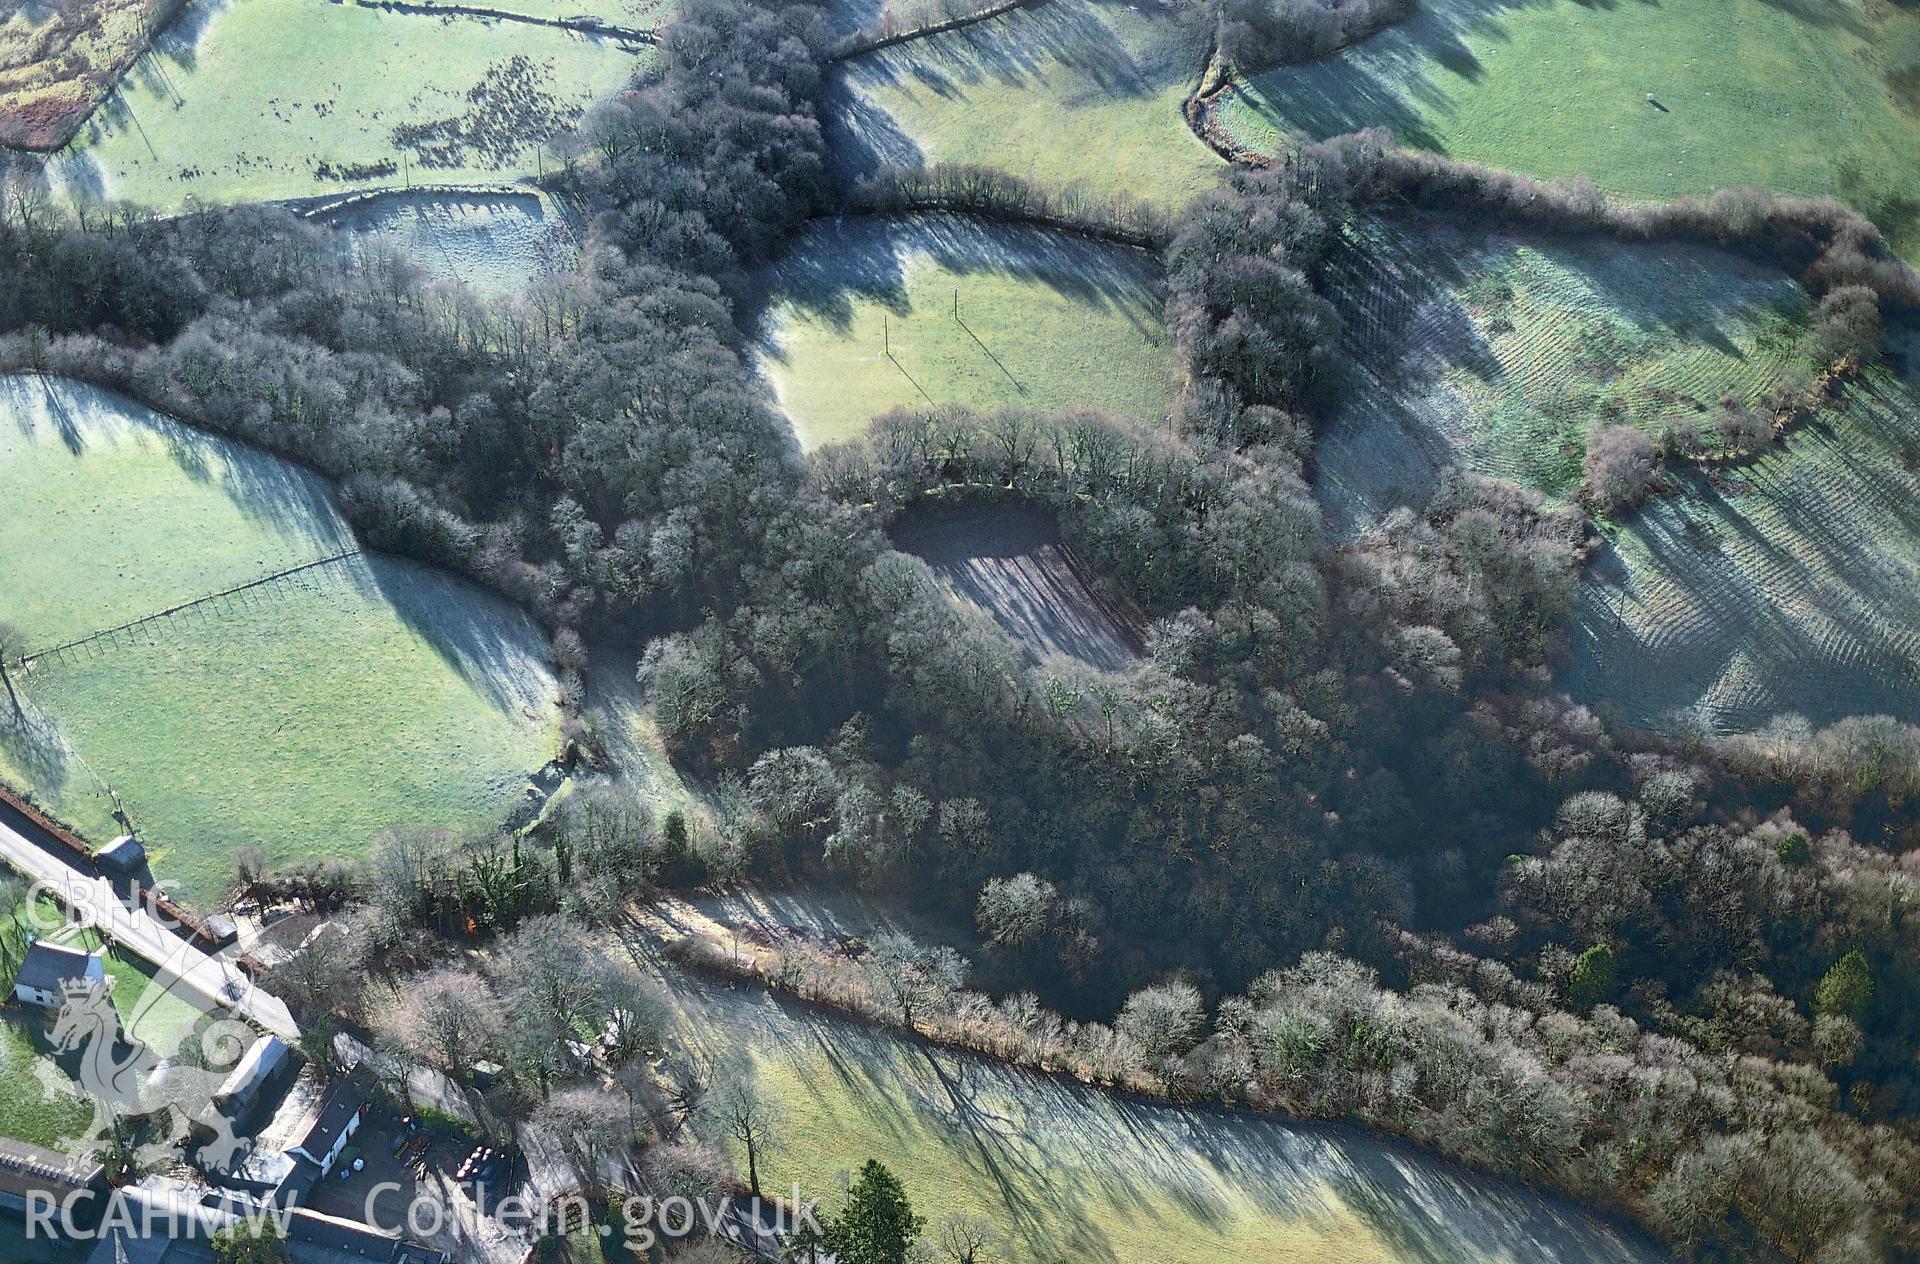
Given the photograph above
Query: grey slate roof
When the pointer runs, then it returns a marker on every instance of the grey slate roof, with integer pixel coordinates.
(47, 966)
(341, 1102)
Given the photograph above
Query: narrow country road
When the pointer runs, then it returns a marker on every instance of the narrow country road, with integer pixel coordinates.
(183, 969)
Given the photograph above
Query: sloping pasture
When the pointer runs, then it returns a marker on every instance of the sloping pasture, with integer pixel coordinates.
(1011, 564)
(1069, 1172)
(868, 314)
(494, 244)
(300, 695)
(1068, 92)
(1790, 585)
(1806, 98)
(269, 99)
(1497, 351)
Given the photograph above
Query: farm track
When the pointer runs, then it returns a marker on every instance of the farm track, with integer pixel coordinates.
(580, 26)
(129, 625)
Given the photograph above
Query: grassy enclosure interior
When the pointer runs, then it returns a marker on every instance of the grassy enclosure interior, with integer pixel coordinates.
(1803, 98)
(1497, 351)
(303, 715)
(1791, 585)
(270, 99)
(859, 317)
(1070, 1172)
(1070, 92)
(495, 245)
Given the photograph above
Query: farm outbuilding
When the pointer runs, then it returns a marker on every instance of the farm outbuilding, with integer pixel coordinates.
(338, 1118)
(49, 968)
(266, 1065)
(124, 855)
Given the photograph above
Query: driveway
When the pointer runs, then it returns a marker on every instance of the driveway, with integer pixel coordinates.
(211, 982)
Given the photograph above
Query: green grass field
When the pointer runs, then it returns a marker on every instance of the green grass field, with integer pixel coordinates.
(1073, 1173)
(1497, 351)
(35, 1107)
(1810, 97)
(304, 715)
(1794, 585)
(1070, 92)
(1046, 320)
(294, 98)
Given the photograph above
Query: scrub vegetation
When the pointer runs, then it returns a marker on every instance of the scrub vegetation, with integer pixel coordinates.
(58, 60)
(1499, 352)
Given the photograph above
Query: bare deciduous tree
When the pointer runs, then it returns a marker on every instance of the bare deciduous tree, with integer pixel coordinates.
(445, 1017)
(590, 1127)
(913, 977)
(964, 1239)
(734, 1107)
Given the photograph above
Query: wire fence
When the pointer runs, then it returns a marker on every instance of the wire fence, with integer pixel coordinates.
(83, 648)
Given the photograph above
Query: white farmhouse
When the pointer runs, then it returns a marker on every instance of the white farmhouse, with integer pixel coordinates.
(49, 967)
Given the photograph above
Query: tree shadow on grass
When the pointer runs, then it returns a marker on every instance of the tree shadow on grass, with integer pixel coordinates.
(1084, 1174)
(1789, 589)
(1068, 52)
(1396, 79)
(494, 646)
(861, 136)
(836, 265)
(284, 497)
(31, 744)
(1036, 49)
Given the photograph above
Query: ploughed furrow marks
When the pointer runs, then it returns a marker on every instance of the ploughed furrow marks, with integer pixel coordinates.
(1793, 585)
(1498, 351)
(1010, 563)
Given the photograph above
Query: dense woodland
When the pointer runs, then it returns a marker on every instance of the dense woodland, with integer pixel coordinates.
(1334, 847)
